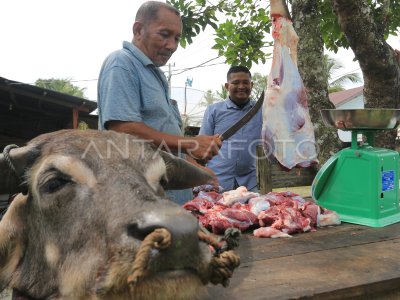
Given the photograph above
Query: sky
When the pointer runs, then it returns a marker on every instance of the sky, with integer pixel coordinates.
(71, 38)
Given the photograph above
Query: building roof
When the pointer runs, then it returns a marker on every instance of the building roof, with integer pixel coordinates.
(36, 99)
(338, 98)
(27, 111)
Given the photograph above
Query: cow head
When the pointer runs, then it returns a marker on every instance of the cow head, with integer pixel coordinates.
(88, 199)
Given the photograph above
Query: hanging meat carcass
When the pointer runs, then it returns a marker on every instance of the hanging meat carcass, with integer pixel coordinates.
(288, 135)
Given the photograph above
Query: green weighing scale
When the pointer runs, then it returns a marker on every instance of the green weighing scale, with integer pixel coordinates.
(361, 183)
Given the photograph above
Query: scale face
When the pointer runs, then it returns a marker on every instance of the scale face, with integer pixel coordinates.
(361, 183)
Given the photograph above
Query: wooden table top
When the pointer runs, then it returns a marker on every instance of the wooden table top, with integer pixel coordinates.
(339, 262)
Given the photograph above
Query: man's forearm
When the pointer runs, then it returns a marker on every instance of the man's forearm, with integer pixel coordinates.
(166, 141)
(201, 148)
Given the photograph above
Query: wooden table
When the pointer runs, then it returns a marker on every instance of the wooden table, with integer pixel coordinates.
(342, 262)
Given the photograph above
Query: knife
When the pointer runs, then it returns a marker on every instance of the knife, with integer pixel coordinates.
(246, 118)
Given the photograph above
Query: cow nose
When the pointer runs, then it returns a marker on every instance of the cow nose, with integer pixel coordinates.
(180, 223)
(183, 228)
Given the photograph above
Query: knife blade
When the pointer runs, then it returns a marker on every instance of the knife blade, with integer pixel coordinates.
(246, 118)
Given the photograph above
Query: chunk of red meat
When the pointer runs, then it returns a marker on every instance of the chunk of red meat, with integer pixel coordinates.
(240, 195)
(212, 196)
(207, 188)
(328, 218)
(220, 218)
(292, 221)
(199, 205)
(240, 215)
(287, 194)
(258, 204)
(274, 198)
(269, 232)
(312, 211)
(209, 216)
(287, 219)
(269, 216)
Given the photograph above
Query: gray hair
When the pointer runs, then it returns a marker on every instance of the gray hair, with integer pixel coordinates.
(148, 11)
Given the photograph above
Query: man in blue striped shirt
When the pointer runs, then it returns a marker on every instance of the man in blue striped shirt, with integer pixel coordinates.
(235, 164)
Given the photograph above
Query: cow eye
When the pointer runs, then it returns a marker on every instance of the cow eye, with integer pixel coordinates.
(54, 184)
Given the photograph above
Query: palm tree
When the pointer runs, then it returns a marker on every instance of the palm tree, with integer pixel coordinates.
(336, 84)
(208, 98)
(222, 93)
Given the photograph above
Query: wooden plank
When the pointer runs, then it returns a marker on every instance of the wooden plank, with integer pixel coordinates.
(345, 235)
(340, 272)
(342, 262)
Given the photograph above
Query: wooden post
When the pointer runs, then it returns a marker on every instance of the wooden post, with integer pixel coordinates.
(272, 175)
(75, 114)
(264, 171)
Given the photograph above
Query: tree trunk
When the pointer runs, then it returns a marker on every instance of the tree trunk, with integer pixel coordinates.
(306, 21)
(377, 59)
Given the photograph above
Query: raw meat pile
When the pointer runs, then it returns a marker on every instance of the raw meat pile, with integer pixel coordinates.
(276, 214)
(288, 135)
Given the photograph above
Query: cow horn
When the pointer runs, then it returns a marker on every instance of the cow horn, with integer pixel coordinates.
(182, 174)
(13, 162)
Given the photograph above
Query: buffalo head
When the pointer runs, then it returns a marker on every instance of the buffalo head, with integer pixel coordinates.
(87, 200)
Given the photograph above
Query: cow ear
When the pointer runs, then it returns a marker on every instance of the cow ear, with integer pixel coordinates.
(13, 162)
(11, 245)
(182, 174)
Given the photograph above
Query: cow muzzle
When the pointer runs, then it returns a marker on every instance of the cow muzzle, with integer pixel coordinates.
(172, 253)
(220, 268)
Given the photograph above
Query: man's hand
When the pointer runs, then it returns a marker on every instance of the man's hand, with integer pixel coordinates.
(203, 147)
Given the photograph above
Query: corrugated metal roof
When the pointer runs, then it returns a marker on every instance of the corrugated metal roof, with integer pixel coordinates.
(343, 96)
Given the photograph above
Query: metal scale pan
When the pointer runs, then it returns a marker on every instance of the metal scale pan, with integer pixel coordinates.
(361, 119)
(361, 183)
